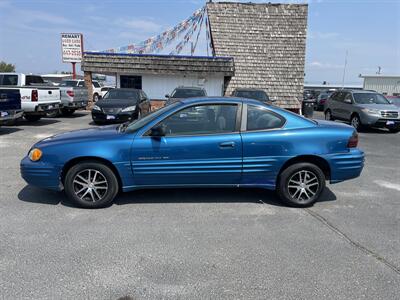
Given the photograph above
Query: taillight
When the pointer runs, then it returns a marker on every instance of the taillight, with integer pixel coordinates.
(70, 93)
(34, 96)
(353, 141)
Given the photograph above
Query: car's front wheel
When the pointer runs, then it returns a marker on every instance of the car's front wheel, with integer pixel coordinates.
(301, 184)
(91, 184)
(356, 122)
(394, 130)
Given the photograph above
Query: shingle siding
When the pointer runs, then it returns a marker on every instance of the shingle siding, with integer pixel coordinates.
(267, 42)
(156, 64)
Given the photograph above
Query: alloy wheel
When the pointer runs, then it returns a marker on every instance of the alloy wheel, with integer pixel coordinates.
(355, 122)
(90, 185)
(303, 185)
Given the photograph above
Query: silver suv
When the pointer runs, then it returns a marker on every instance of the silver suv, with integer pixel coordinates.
(363, 109)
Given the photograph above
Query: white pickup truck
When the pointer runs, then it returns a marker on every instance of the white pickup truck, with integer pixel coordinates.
(37, 99)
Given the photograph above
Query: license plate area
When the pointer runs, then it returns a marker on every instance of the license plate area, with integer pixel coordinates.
(390, 123)
(4, 113)
(110, 117)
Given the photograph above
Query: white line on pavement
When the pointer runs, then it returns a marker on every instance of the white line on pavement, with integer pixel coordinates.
(388, 185)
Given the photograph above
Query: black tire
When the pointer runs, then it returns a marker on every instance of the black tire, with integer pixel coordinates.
(32, 118)
(53, 114)
(328, 115)
(288, 194)
(355, 121)
(394, 130)
(86, 201)
(67, 112)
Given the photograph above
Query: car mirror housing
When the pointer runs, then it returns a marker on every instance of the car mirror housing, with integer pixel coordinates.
(348, 101)
(157, 131)
(167, 96)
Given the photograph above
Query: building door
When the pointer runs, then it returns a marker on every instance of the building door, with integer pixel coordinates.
(131, 82)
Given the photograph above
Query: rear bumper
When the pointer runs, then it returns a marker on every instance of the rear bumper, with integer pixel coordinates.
(73, 104)
(9, 115)
(346, 166)
(40, 174)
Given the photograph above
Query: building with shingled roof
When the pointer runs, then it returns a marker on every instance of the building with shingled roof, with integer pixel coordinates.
(254, 46)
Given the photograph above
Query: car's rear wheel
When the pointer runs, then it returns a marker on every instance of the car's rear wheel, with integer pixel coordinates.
(328, 115)
(91, 184)
(301, 184)
(394, 130)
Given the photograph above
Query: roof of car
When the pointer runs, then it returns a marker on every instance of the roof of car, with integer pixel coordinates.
(219, 99)
(126, 89)
(357, 91)
(248, 89)
(189, 87)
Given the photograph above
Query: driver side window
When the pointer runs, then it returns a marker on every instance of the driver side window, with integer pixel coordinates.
(201, 120)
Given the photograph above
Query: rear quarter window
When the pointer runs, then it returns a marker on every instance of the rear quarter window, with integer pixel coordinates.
(260, 118)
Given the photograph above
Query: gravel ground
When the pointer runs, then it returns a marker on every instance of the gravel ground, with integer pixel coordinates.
(200, 243)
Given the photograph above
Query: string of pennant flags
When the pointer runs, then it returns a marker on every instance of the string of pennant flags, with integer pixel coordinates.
(158, 43)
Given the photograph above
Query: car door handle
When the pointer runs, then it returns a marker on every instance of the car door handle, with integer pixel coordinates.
(227, 145)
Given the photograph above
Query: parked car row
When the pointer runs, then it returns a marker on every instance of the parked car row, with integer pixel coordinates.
(38, 99)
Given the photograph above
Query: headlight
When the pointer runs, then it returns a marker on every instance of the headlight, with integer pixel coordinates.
(370, 111)
(35, 154)
(95, 107)
(129, 108)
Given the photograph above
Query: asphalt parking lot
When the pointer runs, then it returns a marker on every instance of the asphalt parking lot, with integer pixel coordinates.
(203, 243)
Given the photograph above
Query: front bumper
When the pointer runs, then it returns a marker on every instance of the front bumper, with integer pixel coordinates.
(41, 174)
(9, 115)
(346, 166)
(101, 117)
(379, 122)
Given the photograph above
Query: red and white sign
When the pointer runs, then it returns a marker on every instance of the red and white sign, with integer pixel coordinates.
(72, 47)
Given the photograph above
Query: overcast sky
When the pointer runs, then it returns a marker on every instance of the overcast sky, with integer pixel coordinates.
(368, 30)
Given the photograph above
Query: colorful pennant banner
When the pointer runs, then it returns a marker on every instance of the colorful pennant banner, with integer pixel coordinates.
(157, 43)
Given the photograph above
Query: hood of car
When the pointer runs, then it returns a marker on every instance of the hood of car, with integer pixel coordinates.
(379, 106)
(116, 103)
(97, 133)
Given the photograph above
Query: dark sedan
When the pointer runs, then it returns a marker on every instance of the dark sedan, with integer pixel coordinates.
(121, 105)
(184, 92)
(256, 94)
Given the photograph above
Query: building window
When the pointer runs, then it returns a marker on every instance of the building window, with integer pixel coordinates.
(131, 82)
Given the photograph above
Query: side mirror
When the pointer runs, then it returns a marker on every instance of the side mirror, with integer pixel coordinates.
(272, 100)
(157, 131)
(167, 96)
(348, 101)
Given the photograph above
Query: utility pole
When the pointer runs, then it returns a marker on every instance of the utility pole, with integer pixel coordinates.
(344, 69)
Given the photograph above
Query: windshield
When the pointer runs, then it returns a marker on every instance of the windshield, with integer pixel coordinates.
(121, 94)
(71, 83)
(370, 98)
(188, 93)
(139, 123)
(257, 95)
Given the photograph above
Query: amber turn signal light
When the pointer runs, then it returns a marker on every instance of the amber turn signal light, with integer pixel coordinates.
(35, 154)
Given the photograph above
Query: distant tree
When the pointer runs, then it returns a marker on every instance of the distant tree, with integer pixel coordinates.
(5, 67)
